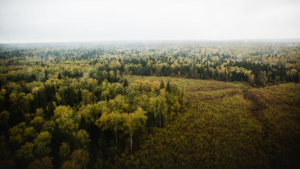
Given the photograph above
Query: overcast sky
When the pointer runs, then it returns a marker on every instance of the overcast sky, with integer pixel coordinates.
(23, 21)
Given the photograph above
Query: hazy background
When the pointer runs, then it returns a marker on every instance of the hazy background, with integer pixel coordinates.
(23, 21)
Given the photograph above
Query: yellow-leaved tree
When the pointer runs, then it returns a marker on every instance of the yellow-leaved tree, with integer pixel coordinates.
(112, 121)
(133, 121)
(78, 160)
(65, 119)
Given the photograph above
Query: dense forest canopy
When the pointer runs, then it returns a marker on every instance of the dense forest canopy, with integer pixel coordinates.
(259, 63)
(131, 104)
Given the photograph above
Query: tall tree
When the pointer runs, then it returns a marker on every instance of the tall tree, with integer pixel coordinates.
(59, 76)
(168, 87)
(125, 83)
(79, 96)
(112, 121)
(134, 121)
(99, 82)
(162, 85)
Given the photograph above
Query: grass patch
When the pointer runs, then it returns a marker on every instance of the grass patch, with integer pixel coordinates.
(231, 125)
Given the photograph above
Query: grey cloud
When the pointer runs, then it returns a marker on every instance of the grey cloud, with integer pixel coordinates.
(74, 20)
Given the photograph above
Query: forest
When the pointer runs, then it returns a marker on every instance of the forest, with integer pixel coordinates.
(155, 104)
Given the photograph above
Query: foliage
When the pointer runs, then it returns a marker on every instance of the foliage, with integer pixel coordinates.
(198, 105)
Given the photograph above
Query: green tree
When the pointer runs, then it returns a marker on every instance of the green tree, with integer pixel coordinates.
(64, 152)
(4, 117)
(118, 89)
(44, 163)
(26, 152)
(79, 96)
(82, 138)
(168, 87)
(99, 82)
(125, 84)
(40, 113)
(78, 160)
(162, 85)
(41, 142)
(16, 134)
(63, 117)
(59, 76)
(29, 133)
(37, 123)
(50, 111)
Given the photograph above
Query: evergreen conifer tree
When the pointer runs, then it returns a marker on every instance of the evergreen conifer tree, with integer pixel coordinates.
(79, 96)
(59, 76)
(162, 85)
(99, 81)
(168, 87)
(125, 83)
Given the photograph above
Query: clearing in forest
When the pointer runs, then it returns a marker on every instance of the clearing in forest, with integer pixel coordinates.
(232, 126)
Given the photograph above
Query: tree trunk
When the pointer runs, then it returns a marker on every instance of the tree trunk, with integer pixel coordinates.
(131, 140)
(159, 113)
(117, 138)
(84, 164)
(166, 112)
(154, 115)
(83, 160)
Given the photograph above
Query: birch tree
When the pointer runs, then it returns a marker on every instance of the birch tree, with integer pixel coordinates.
(134, 121)
(112, 121)
(152, 106)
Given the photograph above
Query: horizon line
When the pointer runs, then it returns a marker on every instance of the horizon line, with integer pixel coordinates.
(174, 40)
